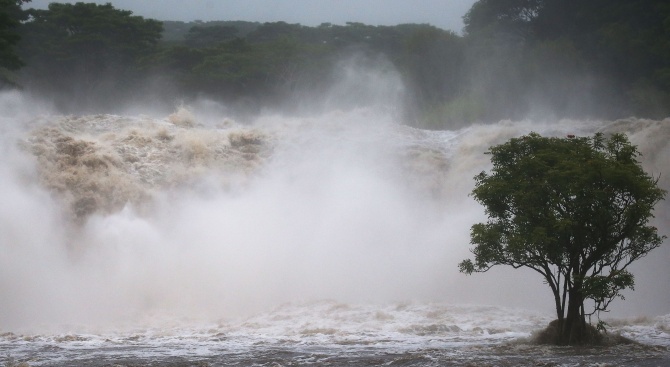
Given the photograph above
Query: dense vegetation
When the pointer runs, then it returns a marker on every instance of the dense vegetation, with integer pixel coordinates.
(575, 210)
(596, 57)
(11, 16)
(590, 58)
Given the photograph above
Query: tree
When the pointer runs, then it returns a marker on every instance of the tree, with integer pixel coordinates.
(86, 47)
(11, 16)
(92, 34)
(208, 36)
(576, 211)
(621, 45)
(505, 15)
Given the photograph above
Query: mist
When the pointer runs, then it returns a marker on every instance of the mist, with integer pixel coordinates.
(114, 221)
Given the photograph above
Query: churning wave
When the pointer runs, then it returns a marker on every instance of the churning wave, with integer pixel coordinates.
(181, 236)
(334, 333)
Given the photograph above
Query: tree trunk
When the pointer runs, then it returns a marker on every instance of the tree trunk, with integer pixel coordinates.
(573, 330)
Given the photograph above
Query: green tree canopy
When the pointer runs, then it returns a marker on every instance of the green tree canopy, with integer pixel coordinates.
(575, 210)
(11, 16)
(509, 15)
(88, 33)
(207, 36)
(622, 43)
(86, 45)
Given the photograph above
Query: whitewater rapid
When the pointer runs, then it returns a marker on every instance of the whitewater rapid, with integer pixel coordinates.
(183, 235)
(334, 333)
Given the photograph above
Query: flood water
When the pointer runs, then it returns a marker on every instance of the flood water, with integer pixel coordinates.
(192, 239)
(329, 333)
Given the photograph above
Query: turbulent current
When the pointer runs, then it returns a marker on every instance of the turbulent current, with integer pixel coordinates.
(326, 239)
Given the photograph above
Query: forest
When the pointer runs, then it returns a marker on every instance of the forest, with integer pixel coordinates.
(514, 59)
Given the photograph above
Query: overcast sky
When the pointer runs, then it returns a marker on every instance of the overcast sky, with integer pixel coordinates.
(445, 14)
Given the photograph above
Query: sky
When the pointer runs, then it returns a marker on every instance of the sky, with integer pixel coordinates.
(446, 14)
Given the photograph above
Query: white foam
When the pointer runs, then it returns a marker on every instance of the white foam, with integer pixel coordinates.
(210, 221)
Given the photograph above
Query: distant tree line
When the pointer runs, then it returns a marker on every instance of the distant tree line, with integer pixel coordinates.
(591, 58)
(606, 58)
